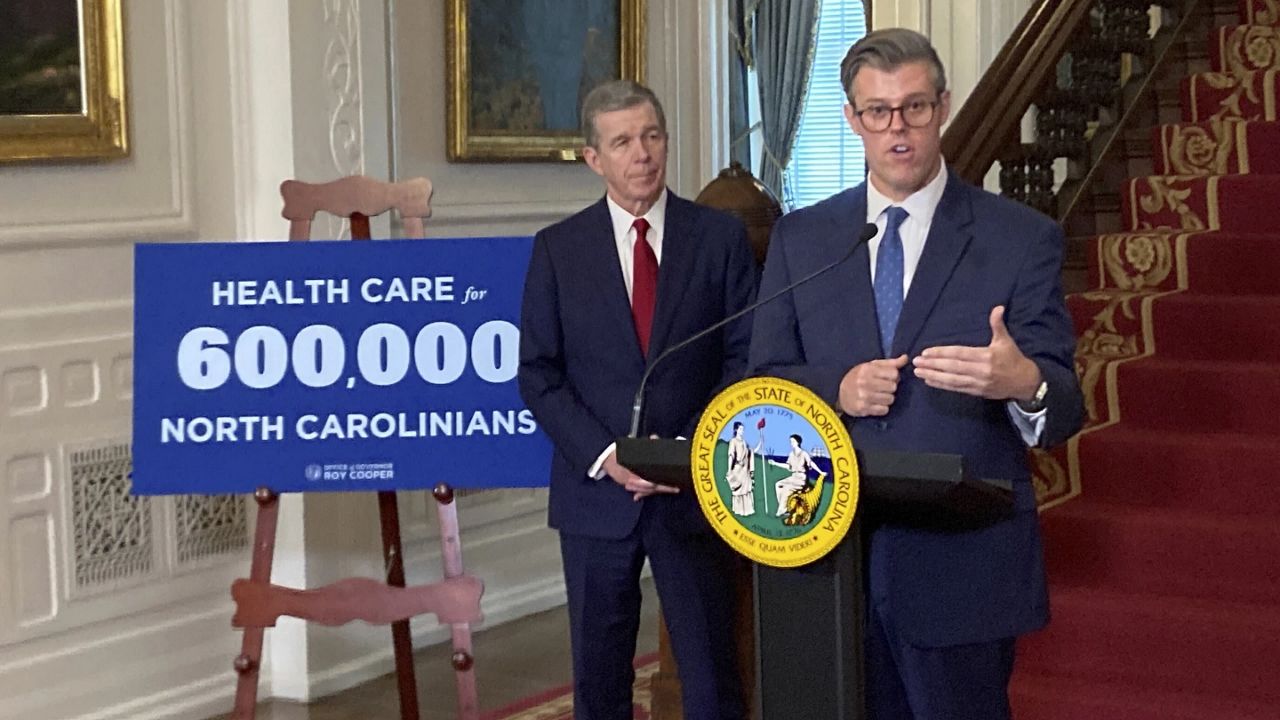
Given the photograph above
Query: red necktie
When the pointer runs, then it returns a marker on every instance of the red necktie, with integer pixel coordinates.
(644, 284)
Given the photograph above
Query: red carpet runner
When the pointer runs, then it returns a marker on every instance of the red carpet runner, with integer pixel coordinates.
(1165, 562)
(557, 704)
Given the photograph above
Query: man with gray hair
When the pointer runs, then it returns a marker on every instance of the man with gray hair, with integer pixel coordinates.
(946, 333)
(607, 290)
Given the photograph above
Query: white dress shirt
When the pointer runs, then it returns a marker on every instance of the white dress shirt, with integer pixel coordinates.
(624, 237)
(920, 207)
(624, 234)
(914, 230)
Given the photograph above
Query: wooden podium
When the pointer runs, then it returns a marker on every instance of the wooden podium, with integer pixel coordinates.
(815, 611)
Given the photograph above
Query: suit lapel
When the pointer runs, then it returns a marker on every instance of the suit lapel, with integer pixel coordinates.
(948, 237)
(679, 244)
(854, 275)
(600, 257)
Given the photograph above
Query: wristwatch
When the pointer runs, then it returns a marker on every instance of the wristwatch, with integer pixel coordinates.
(1036, 403)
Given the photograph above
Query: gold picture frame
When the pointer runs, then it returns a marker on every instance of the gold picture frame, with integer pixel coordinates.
(497, 109)
(99, 128)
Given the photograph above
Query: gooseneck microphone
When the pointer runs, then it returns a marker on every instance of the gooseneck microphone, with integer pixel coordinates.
(637, 407)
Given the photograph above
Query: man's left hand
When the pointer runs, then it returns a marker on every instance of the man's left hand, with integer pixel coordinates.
(998, 371)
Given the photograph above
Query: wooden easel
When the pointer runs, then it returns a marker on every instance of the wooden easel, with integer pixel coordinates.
(455, 600)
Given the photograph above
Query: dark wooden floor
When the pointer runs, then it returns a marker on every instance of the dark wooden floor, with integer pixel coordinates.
(513, 661)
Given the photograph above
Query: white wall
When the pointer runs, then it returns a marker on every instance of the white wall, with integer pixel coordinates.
(474, 199)
(505, 538)
(228, 98)
(88, 629)
(967, 35)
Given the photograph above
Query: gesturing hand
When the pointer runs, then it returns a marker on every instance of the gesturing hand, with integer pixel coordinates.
(998, 371)
(868, 389)
(631, 482)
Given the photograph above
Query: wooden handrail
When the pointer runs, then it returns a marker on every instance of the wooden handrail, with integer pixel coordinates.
(991, 118)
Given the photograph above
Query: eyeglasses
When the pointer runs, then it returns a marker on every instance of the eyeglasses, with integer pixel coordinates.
(915, 113)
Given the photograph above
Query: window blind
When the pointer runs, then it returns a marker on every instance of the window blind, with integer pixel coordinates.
(827, 156)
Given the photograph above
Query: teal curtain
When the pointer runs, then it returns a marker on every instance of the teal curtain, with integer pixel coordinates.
(784, 35)
(739, 62)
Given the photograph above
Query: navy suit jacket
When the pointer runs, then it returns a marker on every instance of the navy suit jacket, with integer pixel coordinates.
(982, 250)
(580, 361)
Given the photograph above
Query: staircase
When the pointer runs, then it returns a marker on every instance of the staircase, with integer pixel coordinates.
(1165, 567)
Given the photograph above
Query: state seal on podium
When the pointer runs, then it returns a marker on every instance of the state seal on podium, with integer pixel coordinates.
(774, 472)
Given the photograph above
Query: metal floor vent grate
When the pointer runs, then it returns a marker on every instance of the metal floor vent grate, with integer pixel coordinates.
(113, 538)
(210, 525)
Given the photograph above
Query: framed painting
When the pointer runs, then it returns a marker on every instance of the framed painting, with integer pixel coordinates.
(519, 69)
(62, 84)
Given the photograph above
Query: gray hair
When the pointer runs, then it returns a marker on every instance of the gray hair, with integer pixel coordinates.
(616, 95)
(888, 49)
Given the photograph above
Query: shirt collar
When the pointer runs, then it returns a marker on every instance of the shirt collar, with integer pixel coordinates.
(622, 220)
(920, 205)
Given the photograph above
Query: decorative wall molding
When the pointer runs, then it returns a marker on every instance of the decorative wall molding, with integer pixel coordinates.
(64, 404)
(535, 214)
(685, 49)
(65, 678)
(713, 89)
(34, 597)
(168, 217)
(967, 40)
(914, 14)
(344, 85)
(24, 391)
(661, 38)
(29, 477)
(208, 697)
(500, 509)
(342, 72)
(31, 328)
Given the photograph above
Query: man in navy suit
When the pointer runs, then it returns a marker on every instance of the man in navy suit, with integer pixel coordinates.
(607, 290)
(946, 333)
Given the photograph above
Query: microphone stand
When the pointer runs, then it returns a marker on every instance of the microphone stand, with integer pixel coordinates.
(637, 406)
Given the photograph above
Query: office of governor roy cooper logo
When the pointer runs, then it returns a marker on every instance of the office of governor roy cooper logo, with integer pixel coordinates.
(775, 472)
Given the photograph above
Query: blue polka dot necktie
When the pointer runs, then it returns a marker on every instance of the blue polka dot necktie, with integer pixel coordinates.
(888, 282)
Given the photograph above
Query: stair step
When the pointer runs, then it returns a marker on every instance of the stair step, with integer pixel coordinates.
(1233, 328)
(1217, 202)
(1197, 148)
(1166, 644)
(1228, 48)
(1234, 397)
(1220, 263)
(1251, 96)
(1169, 101)
(1197, 58)
(1137, 142)
(1040, 697)
(1164, 573)
(1217, 263)
(1105, 202)
(1258, 12)
(1185, 553)
(1151, 469)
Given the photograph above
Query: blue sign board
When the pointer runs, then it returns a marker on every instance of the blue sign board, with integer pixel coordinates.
(331, 366)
